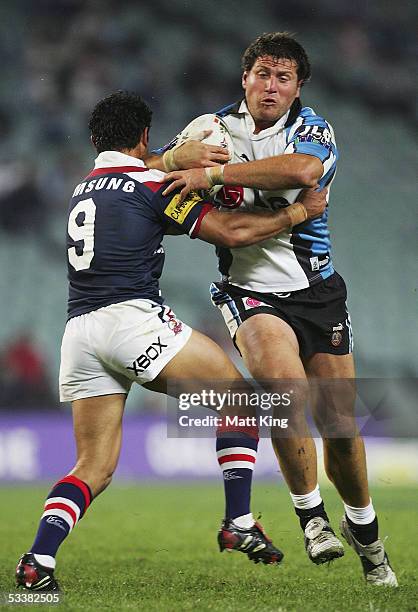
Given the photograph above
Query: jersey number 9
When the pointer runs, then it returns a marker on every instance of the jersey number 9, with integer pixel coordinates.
(84, 232)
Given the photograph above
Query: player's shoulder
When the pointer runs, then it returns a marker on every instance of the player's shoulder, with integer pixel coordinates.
(230, 109)
(145, 176)
(128, 182)
(309, 116)
(305, 120)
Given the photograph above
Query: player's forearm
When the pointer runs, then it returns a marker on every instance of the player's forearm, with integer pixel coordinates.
(291, 171)
(155, 162)
(279, 172)
(240, 229)
(251, 228)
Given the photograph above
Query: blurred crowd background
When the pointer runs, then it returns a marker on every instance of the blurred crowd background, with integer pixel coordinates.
(58, 57)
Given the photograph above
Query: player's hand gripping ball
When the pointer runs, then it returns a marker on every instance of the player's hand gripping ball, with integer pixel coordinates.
(219, 137)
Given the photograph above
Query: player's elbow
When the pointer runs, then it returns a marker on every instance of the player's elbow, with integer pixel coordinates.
(310, 173)
(309, 180)
(235, 238)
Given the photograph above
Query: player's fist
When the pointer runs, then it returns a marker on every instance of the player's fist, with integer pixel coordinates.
(314, 201)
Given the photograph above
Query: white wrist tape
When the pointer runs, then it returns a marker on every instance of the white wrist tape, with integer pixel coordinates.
(297, 213)
(169, 161)
(215, 175)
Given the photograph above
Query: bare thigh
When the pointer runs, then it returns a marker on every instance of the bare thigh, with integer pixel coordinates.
(269, 348)
(270, 351)
(200, 360)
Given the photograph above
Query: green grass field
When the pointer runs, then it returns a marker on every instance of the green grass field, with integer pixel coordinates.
(153, 547)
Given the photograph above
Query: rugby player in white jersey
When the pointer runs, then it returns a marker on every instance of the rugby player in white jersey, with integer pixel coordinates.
(119, 330)
(282, 300)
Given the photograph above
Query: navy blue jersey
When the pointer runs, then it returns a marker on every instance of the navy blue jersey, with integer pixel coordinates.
(116, 223)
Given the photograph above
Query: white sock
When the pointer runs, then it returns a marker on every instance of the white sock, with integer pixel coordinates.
(309, 500)
(360, 516)
(46, 560)
(245, 521)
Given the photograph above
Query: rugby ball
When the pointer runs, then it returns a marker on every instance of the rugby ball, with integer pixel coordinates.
(219, 137)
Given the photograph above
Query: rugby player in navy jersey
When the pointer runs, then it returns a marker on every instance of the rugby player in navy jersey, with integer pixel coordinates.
(283, 301)
(119, 330)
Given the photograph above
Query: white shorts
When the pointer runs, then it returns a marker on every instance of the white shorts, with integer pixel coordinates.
(105, 351)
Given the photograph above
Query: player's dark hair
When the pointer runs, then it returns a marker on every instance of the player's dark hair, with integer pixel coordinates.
(118, 121)
(279, 45)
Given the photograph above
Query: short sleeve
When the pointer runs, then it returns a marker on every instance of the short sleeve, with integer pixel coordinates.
(182, 217)
(314, 136)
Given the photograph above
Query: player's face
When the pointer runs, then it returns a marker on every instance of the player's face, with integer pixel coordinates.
(270, 88)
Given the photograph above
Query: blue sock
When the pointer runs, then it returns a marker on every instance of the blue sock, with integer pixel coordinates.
(237, 452)
(64, 507)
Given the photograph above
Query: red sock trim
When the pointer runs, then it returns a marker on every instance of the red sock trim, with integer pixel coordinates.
(236, 457)
(81, 485)
(62, 506)
(251, 431)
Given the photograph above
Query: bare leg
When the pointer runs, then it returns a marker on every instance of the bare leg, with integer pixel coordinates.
(98, 434)
(202, 362)
(344, 455)
(270, 350)
(97, 428)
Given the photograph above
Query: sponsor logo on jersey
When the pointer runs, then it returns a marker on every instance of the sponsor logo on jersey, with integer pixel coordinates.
(336, 334)
(317, 264)
(150, 354)
(230, 197)
(251, 302)
(174, 324)
(314, 264)
(315, 134)
(178, 211)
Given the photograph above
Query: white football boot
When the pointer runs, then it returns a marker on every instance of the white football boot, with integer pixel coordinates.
(375, 562)
(321, 543)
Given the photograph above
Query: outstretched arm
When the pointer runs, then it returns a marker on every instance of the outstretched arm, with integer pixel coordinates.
(239, 229)
(290, 171)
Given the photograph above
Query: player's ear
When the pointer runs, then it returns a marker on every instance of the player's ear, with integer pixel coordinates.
(244, 79)
(300, 83)
(145, 137)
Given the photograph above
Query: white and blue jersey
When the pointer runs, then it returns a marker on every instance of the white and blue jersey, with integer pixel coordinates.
(116, 223)
(293, 259)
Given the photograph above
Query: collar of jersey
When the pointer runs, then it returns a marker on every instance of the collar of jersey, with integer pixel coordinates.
(110, 159)
(277, 127)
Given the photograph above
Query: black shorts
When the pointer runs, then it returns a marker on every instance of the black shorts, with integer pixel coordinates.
(318, 315)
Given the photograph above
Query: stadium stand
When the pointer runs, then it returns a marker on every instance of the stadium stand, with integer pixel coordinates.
(59, 58)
